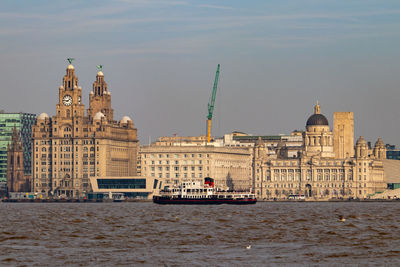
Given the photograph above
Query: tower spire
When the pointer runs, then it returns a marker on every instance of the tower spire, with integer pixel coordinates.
(317, 109)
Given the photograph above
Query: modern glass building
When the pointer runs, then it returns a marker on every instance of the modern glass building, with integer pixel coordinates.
(23, 122)
(392, 152)
(130, 187)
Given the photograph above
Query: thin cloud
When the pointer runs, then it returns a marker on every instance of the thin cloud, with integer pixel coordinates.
(154, 2)
(216, 7)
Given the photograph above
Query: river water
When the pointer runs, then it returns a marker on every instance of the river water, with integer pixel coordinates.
(127, 234)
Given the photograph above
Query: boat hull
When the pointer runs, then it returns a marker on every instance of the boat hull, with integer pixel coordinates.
(203, 201)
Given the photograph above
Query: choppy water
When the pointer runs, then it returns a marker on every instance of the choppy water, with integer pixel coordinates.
(110, 234)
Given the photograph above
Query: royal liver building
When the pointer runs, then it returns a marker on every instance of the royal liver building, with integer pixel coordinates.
(327, 165)
(72, 146)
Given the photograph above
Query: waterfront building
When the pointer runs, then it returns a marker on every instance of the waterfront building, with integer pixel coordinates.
(131, 187)
(70, 147)
(317, 172)
(17, 180)
(289, 144)
(172, 160)
(23, 123)
(392, 171)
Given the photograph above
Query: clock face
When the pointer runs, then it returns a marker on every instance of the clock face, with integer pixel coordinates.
(67, 100)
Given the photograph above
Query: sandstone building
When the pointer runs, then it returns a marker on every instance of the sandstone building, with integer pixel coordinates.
(317, 172)
(72, 146)
(343, 133)
(17, 180)
(173, 159)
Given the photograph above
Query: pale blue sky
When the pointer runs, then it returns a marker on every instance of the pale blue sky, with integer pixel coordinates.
(277, 58)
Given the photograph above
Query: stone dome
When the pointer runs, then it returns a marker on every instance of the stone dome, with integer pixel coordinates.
(98, 116)
(380, 143)
(317, 119)
(70, 67)
(361, 141)
(100, 73)
(43, 116)
(125, 119)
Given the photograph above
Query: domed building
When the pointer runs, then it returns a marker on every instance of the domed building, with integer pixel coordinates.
(318, 138)
(72, 147)
(317, 171)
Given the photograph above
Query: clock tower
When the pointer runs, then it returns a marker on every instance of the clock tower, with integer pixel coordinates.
(71, 147)
(70, 95)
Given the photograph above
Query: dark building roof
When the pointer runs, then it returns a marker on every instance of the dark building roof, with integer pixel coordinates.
(317, 119)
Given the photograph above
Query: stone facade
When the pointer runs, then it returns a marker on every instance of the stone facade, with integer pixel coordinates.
(343, 133)
(17, 181)
(316, 173)
(230, 167)
(71, 147)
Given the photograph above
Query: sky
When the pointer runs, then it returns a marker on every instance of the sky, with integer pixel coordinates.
(159, 58)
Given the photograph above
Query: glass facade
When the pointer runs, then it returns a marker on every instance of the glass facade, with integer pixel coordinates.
(23, 122)
(393, 154)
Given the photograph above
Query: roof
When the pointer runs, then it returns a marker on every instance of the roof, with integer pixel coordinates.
(317, 119)
(255, 137)
(392, 170)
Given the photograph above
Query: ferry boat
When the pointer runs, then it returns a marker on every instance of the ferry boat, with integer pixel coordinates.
(199, 193)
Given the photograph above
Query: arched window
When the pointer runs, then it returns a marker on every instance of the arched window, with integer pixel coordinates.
(18, 161)
(43, 149)
(68, 113)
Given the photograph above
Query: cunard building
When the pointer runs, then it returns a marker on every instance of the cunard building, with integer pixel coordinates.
(327, 164)
(72, 146)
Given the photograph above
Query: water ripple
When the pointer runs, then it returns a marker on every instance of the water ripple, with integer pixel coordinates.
(89, 234)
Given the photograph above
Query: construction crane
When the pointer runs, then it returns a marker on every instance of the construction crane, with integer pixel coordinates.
(211, 105)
